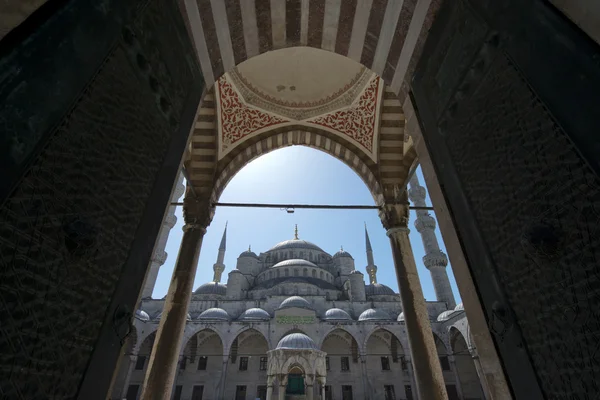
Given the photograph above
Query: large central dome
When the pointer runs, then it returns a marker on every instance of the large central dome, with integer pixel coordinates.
(295, 244)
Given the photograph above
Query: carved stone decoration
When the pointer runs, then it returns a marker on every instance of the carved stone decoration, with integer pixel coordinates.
(357, 121)
(395, 214)
(236, 119)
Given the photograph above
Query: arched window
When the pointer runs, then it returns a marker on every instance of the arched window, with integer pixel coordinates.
(296, 272)
(287, 272)
(305, 272)
(314, 273)
(278, 273)
(321, 274)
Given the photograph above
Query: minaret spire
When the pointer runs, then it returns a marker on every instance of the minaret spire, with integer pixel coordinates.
(434, 260)
(296, 232)
(219, 266)
(371, 267)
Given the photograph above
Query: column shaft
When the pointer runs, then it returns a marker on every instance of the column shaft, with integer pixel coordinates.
(270, 392)
(428, 372)
(162, 366)
(282, 392)
(223, 377)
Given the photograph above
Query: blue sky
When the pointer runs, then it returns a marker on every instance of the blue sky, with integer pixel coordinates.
(297, 175)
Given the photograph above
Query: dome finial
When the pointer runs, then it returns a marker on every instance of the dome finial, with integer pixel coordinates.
(296, 232)
(341, 248)
(249, 248)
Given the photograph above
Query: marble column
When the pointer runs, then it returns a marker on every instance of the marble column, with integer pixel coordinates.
(428, 371)
(452, 362)
(322, 381)
(282, 386)
(309, 392)
(270, 379)
(162, 367)
(125, 387)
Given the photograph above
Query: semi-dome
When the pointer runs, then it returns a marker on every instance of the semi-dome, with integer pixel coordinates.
(459, 307)
(214, 314)
(294, 262)
(142, 315)
(297, 341)
(337, 314)
(377, 289)
(374, 314)
(295, 244)
(400, 317)
(255, 314)
(212, 288)
(445, 315)
(342, 253)
(295, 301)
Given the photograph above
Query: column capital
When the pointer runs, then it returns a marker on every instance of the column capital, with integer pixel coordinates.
(197, 211)
(395, 215)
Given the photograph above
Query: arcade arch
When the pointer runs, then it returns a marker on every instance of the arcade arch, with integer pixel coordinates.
(386, 366)
(464, 364)
(201, 363)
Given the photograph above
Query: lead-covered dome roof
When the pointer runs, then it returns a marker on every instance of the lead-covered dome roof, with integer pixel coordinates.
(212, 288)
(295, 244)
(297, 341)
(374, 314)
(255, 314)
(377, 289)
(142, 315)
(214, 314)
(445, 315)
(337, 314)
(294, 262)
(342, 253)
(295, 301)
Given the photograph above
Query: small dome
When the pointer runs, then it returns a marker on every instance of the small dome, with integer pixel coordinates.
(374, 314)
(356, 272)
(295, 301)
(249, 253)
(342, 253)
(401, 317)
(337, 314)
(214, 314)
(297, 341)
(295, 262)
(212, 288)
(142, 315)
(377, 289)
(459, 307)
(295, 244)
(255, 314)
(445, 315)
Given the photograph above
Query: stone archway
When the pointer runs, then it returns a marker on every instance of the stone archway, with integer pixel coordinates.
(464, 364)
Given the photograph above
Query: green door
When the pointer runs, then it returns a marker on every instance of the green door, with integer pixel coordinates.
(295, 384)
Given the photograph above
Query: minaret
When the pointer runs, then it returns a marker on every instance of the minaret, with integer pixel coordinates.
(219, 267)
(371, 267)
(435, 260)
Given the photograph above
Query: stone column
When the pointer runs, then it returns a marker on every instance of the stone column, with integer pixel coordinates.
(322, 382)
(480, 374)
(282, 386)
(123, 389)
(270, 379)
(428, 372)
(452, 362)
(162, 367)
